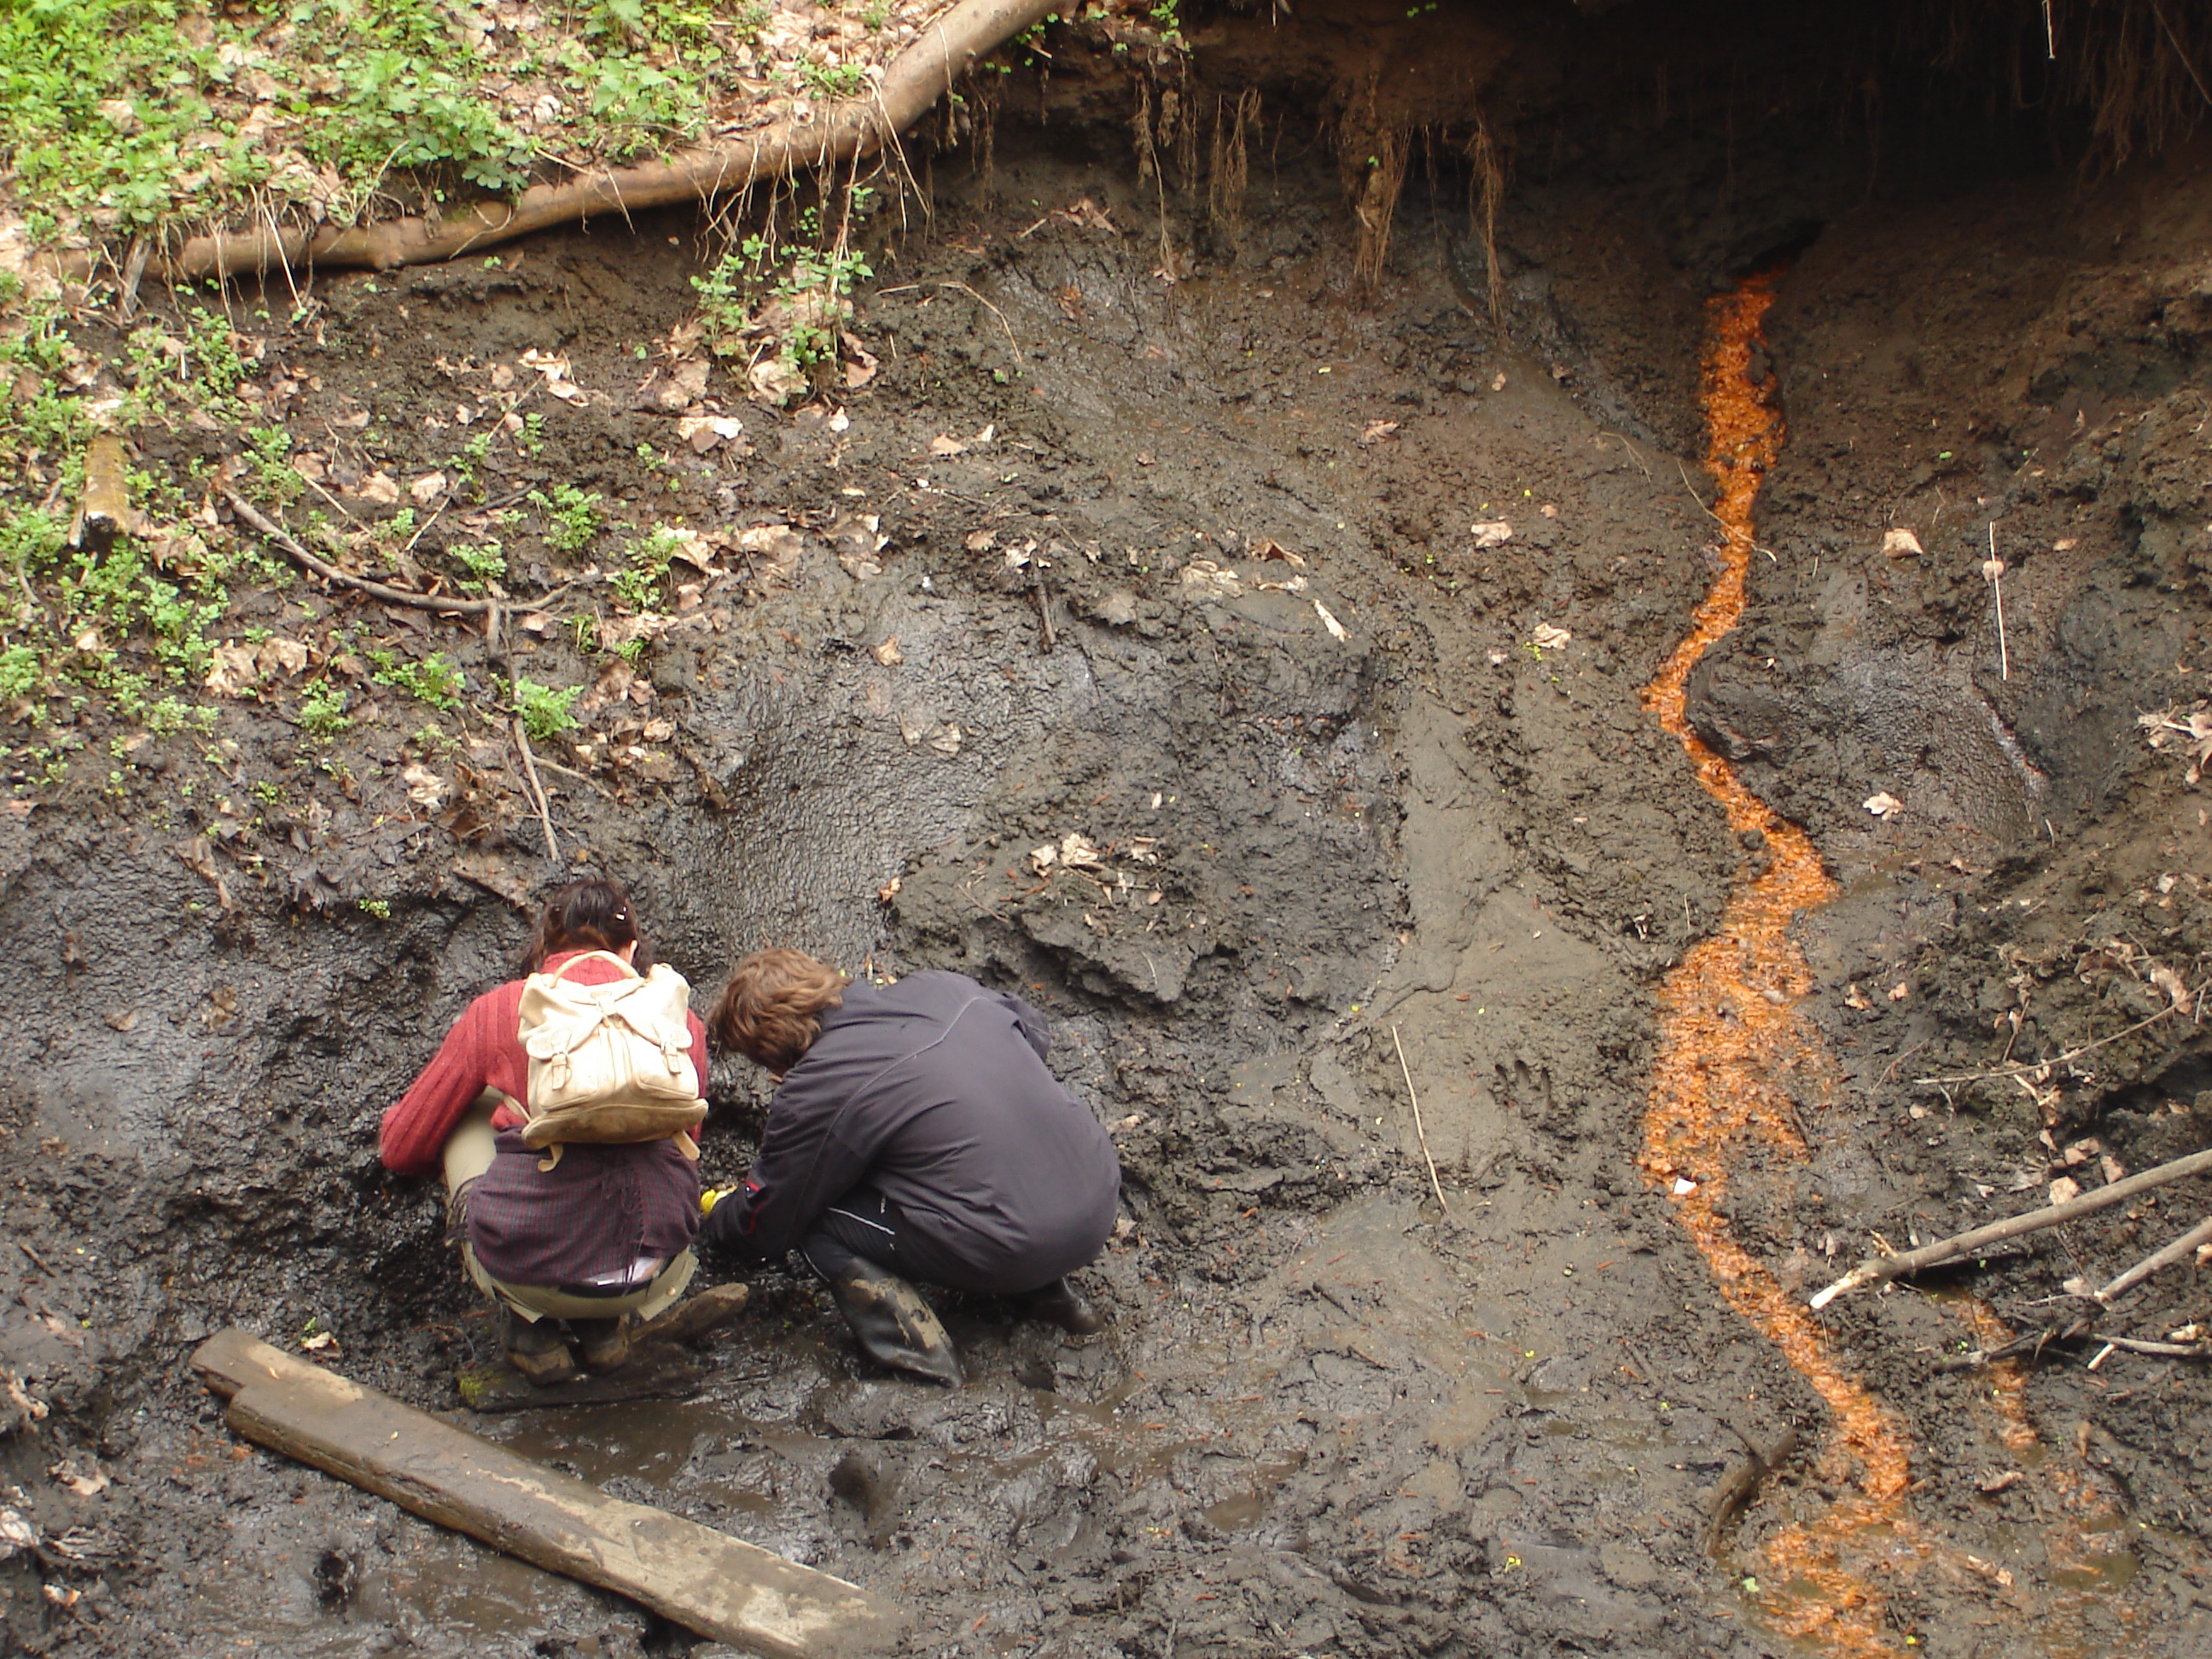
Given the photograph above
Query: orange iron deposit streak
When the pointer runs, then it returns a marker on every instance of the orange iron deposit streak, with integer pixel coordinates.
(1731, 1036)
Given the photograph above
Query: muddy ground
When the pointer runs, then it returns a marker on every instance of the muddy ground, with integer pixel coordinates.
(1153, 526)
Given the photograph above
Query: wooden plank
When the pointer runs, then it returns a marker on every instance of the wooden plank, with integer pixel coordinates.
(702, 1580)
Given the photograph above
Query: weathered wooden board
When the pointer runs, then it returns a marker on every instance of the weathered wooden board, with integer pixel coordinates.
(731, 1591)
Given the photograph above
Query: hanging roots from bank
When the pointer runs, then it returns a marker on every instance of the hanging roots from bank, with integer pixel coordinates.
(1484, 190)
(1371, 157)
(2141, 69)
(1229, 174)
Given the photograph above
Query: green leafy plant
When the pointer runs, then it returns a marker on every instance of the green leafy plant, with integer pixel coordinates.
(573, 519)
(322, 711)
(485, 562)
(545, 711)
(800, 288)
(23, 672)
(434, 680)
(638, 585)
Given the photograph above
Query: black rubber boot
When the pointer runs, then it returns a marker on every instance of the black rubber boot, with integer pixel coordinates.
(890, 1321)
(1060, 1303)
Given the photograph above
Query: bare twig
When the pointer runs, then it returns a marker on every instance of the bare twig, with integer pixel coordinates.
(1993, 570)
(536, 791)
(329, 572)
(2165, 1349)
(1422, 1133)
(2201, 1233)
(1879, 1270)
(2028, 1068)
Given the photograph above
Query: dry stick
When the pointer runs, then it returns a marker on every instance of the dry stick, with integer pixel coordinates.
(2166, 1350)
(536, 791)
(1878, 1270)
(1423, 1133)
(329, 572)
(2028, 1068)
(2201, 1233)
(915, 81)
(1994, 570)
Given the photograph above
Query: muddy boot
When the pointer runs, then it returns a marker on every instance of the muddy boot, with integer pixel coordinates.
(535, 1349)
(602, 1344)
(1060, 1303)
(890, 1321)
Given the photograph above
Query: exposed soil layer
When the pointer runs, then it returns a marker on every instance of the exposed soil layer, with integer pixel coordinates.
(1157, 527)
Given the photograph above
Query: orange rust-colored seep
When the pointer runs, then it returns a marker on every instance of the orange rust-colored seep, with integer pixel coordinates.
(1731, 1038)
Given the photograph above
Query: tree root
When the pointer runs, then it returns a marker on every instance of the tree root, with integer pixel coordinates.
(915, 80)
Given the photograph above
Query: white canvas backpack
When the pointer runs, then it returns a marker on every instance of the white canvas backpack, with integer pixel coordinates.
(611, 1062)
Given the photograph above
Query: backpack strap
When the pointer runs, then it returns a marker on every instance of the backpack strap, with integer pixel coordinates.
(583, 956)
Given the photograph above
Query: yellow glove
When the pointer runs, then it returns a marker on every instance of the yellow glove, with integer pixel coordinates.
(710, 1196)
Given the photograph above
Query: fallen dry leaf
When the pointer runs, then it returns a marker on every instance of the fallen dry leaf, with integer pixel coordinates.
(1329, 621)
(1545, 637)
(945, 739)
(1491, 532)
(379, 489)
(1079, 852)
(232, 671)
(1883, 805)
(555, 373)
(1899, 992)
(426, 788)
(319, 1341)
(888, 891)
(1210, 578)
(2063, 1188)
(1855, 998)
(945, 444)
(888, 654)
(1377, 431)
(1901, 544)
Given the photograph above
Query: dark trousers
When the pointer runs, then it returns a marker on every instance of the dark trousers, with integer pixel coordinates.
(864, 1223)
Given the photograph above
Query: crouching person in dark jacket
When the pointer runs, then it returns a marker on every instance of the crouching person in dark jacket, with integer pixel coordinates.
(915, 1133)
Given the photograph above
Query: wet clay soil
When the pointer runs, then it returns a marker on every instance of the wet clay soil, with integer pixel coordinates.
(1349, 802)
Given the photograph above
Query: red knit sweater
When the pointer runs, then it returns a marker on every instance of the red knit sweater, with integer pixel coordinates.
(483, 1050)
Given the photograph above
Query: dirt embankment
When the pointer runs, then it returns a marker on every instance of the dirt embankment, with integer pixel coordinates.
(1153, 529)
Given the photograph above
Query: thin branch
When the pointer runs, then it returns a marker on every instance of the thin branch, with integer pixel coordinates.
(2201, 1233)
(2028, 1068)
(1436, 1185)
(536, 791)
(275, 533)
(1879, 1270)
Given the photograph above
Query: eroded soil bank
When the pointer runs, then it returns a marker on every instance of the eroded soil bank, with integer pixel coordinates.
(1154, 527)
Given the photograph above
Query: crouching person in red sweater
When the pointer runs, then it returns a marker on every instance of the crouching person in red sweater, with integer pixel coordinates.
(916, 1133)
(592, 1233)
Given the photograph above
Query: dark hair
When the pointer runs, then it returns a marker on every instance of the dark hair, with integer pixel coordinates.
(770, 1009)
(594, 914)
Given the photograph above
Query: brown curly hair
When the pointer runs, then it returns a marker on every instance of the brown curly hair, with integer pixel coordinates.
(770, 1009)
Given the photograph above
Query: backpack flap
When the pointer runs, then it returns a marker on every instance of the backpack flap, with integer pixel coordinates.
(610, 1063)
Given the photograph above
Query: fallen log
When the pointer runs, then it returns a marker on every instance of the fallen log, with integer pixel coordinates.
(721, 1588)
(915, 80)
(1881, 1269)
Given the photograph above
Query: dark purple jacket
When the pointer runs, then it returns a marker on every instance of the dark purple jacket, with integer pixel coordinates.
(934, 1091)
